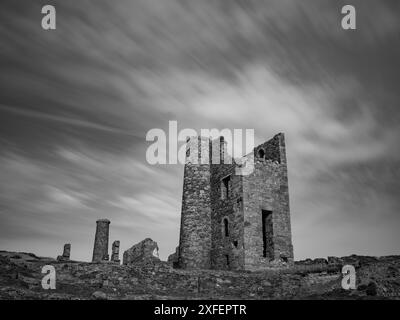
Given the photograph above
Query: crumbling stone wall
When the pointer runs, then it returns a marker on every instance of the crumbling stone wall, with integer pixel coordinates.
(143, 252)
(173, 259)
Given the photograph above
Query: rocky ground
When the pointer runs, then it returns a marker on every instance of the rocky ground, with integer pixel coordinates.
(20, 278)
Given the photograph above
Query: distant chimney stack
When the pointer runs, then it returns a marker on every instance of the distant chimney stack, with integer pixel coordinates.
(66, 253)
(100, 250)
(115, 252)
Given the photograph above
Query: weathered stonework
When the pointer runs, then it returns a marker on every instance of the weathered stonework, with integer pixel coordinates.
(100, 250)
(173, 258)
(231, 221)
(195, 233)
(142, 252)
(115, 252)
(266, 192)
(66, 253)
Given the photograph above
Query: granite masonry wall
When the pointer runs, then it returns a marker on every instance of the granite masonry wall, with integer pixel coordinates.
(267, 230)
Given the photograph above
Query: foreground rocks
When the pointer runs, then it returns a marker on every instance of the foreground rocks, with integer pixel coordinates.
(20, 278)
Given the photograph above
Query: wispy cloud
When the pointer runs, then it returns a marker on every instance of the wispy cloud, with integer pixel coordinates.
(65, 120)
(76, 104)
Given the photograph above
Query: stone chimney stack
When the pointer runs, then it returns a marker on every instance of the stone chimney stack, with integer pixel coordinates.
(67, 250)
(66, 253)
(100, 250)
(115, 252)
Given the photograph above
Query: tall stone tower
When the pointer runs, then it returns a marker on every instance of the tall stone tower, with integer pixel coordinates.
(195, 233)
(100, 250)
(233, 221)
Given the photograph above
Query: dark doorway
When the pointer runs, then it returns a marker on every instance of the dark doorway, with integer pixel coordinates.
(226, 227)
(267, 234)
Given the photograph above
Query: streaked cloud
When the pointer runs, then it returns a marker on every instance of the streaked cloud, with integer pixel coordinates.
(76, 105)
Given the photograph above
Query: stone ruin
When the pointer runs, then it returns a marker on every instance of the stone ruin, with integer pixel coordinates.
(145, 251)
(173, 258)
(229, 220)
(233, 221)
(115, 252)
(66, 253)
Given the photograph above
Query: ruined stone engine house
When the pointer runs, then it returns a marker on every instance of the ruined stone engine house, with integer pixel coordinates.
(232, 221)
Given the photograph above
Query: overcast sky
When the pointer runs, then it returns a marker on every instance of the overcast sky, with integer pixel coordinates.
(76, 104)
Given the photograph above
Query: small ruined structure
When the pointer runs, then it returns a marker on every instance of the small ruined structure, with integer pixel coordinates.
(100, 250)
(115, 252)
(66, 253)
(235, 221)
(142, 252)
